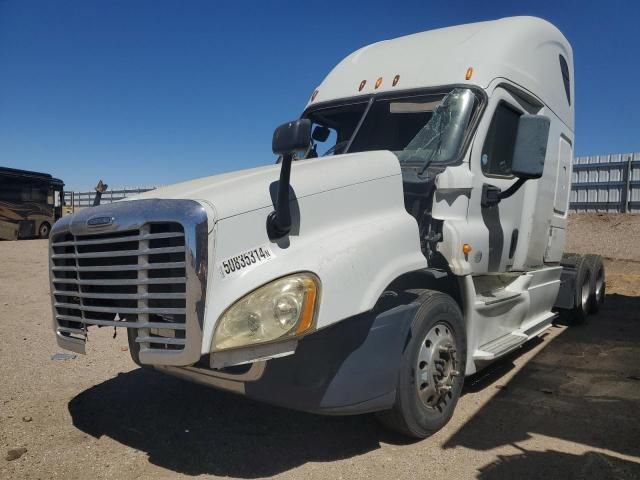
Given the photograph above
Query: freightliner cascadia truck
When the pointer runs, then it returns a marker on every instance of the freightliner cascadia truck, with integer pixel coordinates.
(410, 233)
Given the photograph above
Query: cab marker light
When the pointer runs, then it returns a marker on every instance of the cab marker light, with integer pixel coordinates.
(396, 79)
(469, 73)
(378, 83)
(362, 84)
(314, 95)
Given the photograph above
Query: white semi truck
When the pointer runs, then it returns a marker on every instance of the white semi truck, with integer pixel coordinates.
(411, 233)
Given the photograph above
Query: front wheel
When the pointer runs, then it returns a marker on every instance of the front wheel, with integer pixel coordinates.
(432, 368)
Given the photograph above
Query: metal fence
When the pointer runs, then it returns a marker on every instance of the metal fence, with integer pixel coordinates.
(85, 199)
(606, 183)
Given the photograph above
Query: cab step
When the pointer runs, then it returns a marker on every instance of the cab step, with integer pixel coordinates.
(500, 346)
(509, 342)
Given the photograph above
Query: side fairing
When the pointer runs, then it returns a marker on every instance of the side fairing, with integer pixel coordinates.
(356, 239)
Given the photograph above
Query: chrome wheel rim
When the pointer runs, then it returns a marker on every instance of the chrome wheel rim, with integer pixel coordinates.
(599, 285)
(584, 293)
(436, 367)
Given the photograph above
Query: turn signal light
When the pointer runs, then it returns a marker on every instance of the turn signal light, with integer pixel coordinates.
(466, 249)
(469, 73)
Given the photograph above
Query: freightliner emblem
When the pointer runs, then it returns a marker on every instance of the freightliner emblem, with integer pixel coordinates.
(99, 221)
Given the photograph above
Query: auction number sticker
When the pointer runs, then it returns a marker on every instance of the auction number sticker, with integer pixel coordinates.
(244, 261)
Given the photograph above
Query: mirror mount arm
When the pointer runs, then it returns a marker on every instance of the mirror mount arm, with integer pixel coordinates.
(279, 221)
(492, 195)
(513, 188)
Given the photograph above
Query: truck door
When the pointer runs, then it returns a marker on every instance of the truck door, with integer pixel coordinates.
(490, 163)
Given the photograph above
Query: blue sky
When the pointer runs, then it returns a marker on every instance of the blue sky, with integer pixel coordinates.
(150, 92)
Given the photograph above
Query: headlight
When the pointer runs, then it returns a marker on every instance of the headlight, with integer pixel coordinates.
(281, 309)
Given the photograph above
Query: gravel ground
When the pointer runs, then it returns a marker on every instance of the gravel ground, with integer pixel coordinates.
(564, 406)
(614, 236)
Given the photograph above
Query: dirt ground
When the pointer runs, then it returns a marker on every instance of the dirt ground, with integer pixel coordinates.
(564, 406)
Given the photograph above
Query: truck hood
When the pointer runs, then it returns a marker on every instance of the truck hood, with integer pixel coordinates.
(245, 190)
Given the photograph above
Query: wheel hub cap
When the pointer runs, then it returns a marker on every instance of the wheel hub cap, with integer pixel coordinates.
(436, 367)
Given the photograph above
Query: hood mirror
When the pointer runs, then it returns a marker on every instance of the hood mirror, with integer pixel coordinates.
(291, 137)
(288, 138)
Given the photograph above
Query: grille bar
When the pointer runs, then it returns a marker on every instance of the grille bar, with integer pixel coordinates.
(162, 340)
(121, 323)
(119, 310)
(120, 296)
(150, 236)
(117, 268)
(77, 331)
(123, 253)
(148, 281)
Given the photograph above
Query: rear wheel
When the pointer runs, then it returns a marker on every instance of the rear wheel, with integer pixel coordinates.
(598, 283)
(432, 368)
(44, 230)
(583, 289)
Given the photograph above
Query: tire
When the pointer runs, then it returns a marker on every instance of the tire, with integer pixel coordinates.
(44, 230)
(431, 370)
(583, 289)
(598, 282)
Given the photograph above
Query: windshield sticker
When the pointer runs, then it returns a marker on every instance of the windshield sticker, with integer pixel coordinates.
(245, 261)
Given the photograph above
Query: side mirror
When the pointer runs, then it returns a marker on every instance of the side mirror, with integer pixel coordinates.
(288, 138)
(531, 146)
(528, 157)
(291, 136)
(320, 133)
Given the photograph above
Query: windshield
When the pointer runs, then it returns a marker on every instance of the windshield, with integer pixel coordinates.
(418, 129)
(333, 128)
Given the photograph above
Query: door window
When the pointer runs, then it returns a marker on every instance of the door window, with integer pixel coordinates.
(497, 151)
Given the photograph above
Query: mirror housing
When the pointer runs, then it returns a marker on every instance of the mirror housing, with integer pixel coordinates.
(291, 137)
(528, 158)
(531, 146)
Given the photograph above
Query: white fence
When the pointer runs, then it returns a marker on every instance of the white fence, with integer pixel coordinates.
(606, 183)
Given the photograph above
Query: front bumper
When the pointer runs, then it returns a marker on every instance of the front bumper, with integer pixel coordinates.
(348, 368)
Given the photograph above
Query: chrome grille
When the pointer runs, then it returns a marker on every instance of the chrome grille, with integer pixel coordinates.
(133, 278)
(144, 269)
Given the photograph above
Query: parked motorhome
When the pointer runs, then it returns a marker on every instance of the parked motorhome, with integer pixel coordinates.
(30, 203)
(411, 233)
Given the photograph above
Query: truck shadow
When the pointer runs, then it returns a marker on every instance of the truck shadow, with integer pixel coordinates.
(193, 430)
(583, 387)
